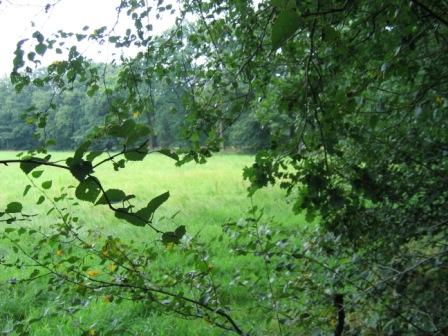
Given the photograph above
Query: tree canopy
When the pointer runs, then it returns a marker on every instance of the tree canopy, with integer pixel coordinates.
(345, 103)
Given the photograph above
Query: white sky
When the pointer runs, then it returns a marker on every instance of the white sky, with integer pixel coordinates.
(69, 15)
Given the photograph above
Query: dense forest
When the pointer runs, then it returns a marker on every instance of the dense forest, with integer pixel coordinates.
(73, 116)
(344, 106)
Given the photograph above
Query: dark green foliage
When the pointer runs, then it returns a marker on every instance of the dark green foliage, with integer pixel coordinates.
(47, 184)
(155, 203)
(71, 117)
(284, 26)
(112, 196)
(31, 163)
(88, 189)
(173, 237)
(14, 207)
(80, 169)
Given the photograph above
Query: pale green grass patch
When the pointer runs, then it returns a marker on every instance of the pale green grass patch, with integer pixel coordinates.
(203, 197)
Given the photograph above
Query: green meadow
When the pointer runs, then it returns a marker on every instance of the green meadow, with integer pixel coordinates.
(203, 198)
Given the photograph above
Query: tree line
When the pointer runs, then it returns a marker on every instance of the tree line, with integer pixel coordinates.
(71, 116)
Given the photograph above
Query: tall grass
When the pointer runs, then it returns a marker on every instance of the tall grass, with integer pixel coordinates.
(203, 198)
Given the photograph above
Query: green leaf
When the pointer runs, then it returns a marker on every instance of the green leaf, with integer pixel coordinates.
(40, 200)
(153, 205)
(119, 164)
(27, 188)
(88, 190)
(282, 4)
(80, 37)
(81, 150)
(72, 259)
(92, 155)
(14, 207)
(133, 218)
(174, 237)
(142, 216)
(80, 169)
(47, 184)
(41, 48)
(113, 39)
(113, 195)
(27, 167)
(31, 56)
(92, 90)
(38, 36)
(286, 24)
(139, 131)
(123, 130)
(171, 154)
(136, 155)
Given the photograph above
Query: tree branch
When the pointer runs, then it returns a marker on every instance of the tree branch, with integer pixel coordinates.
(339, 304)
(431, 12)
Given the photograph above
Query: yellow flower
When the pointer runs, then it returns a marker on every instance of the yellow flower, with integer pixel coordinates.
(112, 267)
(80, 285)
(136, 114)
(92, 273)
(92, 332)
(107, 298)
(59, 252)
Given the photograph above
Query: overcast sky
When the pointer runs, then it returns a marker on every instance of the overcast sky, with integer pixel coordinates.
(69, 15)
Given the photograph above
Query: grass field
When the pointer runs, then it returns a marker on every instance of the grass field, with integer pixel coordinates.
(204, 198)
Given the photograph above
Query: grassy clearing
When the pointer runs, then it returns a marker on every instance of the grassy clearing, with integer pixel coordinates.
(203, 196)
